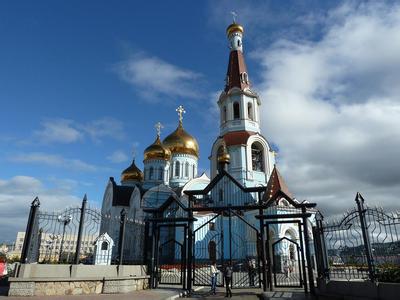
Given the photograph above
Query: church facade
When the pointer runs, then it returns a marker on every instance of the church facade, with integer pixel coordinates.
(240, 152)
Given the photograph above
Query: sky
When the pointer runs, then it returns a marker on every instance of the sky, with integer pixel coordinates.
(82, 84)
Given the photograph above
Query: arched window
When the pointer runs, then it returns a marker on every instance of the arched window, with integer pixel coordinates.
(224, 114)
(257, 157)
(146, 174)
(177, 167)
(250, 111)
(151, 173)
(187, 170)
(160, 173)
(194, 171)
(236, 110)
(104, 246)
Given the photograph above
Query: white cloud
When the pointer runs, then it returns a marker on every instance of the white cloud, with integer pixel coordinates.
(333, 107)
(60, 130)
(153, 77)
(16, 195)
(54, 161)
(118, 156)
(105, 127)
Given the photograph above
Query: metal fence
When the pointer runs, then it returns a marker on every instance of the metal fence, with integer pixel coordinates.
(361, 245)
(69, 236)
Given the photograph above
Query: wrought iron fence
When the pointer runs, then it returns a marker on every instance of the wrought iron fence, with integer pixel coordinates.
(69, 236)
(364, 243)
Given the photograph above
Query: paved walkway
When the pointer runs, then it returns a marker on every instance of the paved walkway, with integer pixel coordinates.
(170, 294)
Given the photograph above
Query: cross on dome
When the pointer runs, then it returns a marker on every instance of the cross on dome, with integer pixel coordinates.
(158, 127)
(180, 110)
(234, 16)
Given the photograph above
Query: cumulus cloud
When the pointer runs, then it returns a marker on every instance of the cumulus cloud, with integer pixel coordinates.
(118, 156)
(53, 160)
(153, 77)
(16, 195)
(332, 106)
(58, 130)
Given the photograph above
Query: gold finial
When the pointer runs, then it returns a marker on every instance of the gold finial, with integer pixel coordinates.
(274, 153)
(234, 16)
(180, 110)
(158, 126)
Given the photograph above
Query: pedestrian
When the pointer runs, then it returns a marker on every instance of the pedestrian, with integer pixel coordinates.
(286, 268)
(228, 280)
(213, 274)
(251, 265)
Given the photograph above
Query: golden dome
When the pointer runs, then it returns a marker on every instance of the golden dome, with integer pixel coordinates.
(157, 151)
(132, 173)
(223, 155)
(234, 27)
(181, 142)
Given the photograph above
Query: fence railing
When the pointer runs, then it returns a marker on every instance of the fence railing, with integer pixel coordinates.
(360, 246)
(69, 236)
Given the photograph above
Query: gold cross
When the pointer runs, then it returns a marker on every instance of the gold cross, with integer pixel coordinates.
(180, 110)
(158, 127)
(234, 15)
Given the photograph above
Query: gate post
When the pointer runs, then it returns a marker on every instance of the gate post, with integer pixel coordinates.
(81, 222)
(29, 228)
(307, 248)
(367, 245)
(262, 240)
(190, 247)
(269, 261)
(121, 236)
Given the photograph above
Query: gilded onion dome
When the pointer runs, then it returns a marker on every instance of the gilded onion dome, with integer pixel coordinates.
(234, 27)
(181, 142)
(132, 173)
(157, 151)
(223, 155)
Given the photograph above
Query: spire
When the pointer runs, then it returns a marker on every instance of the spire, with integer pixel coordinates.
(276, 187)
(237, 71)
(158, 126)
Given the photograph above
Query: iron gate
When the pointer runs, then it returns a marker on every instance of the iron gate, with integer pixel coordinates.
(171, 260)
(286, 263)
(227, 237)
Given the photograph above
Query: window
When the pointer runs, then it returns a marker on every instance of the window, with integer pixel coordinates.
(104, 246)
(224, 114)
(151, 173)
(250, 111)
(160, 173)
(187, 169)
(211, 226)
(177, 167)
(236, 110)
(257, 157)
(194, 171)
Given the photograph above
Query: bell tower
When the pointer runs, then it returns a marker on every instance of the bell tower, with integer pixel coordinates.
(251, 157)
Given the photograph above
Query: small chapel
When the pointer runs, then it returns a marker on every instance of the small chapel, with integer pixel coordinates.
(241, 159)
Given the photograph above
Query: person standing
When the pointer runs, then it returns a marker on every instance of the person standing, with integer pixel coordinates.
(228, 280)
(251, 265)
(214, 274)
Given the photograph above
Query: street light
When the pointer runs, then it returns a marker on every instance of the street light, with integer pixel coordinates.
(65, 220)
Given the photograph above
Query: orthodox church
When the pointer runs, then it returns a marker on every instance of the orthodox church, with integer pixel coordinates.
(171, 163)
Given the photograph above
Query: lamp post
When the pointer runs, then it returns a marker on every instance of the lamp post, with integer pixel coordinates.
(64, 219)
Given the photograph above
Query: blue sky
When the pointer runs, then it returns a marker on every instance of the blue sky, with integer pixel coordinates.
(82, 84)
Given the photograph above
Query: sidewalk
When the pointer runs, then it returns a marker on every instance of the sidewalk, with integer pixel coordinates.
(158, 294)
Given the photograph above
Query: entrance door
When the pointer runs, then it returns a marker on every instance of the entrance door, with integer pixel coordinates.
(286, 265)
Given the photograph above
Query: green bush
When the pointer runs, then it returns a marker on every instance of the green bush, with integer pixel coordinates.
(388, 273)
